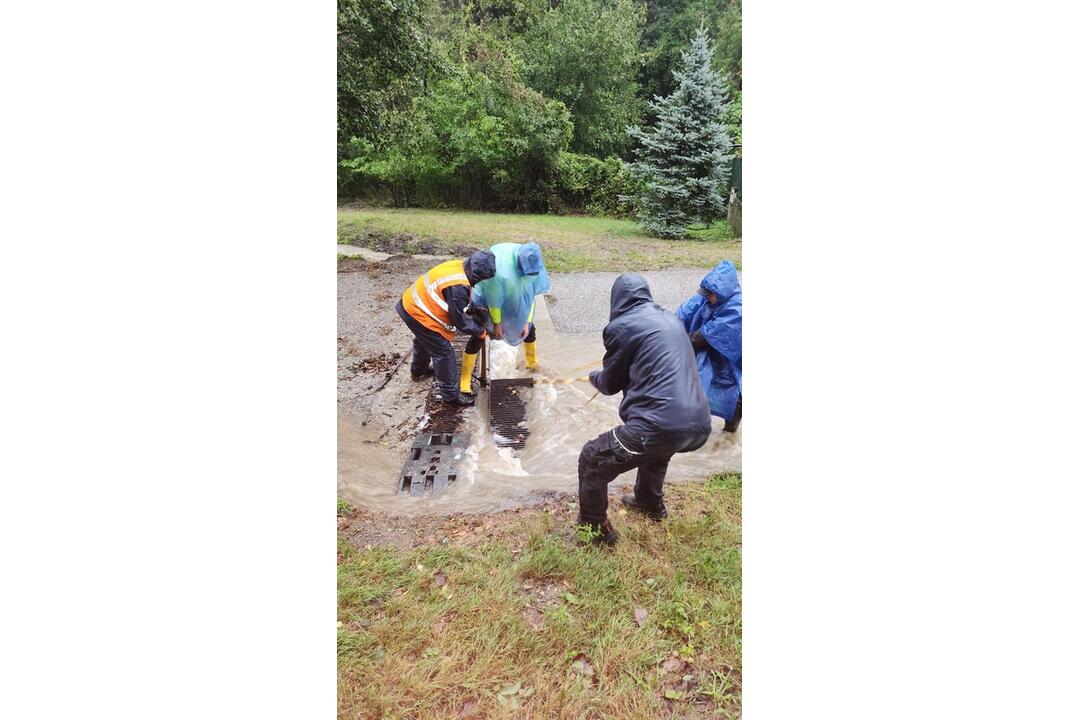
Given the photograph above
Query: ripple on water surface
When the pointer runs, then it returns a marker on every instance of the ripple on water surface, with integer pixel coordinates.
(561, 418)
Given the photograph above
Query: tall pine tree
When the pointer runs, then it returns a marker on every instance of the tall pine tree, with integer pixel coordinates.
(683, 160)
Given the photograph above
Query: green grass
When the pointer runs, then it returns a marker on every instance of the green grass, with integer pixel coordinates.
(570, 242)
(442, 631)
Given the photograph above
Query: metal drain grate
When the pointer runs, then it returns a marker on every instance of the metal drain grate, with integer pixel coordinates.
(434, 462)
(443, 418)
(507, 411)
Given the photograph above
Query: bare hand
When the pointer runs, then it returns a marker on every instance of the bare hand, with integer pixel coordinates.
(498, 331)
(524, 331)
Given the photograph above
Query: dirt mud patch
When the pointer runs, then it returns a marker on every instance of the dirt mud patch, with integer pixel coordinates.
(402, 243)
(391, 268)
(704, 688)
(541, 595)
(364, 529)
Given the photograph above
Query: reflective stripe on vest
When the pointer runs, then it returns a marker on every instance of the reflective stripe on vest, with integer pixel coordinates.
(425, 291)
(420, 304)
(435, 288)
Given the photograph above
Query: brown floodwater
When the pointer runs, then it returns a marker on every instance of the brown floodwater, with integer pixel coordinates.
(560, 416)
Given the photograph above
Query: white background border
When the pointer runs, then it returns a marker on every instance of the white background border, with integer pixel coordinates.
(168, 305)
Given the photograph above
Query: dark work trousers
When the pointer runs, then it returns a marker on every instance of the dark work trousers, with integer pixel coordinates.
(429, 347)
(604, 458)
(476, 343)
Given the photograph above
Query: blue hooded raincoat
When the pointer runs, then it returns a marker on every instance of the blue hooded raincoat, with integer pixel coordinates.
(520, 276)
(719, 365)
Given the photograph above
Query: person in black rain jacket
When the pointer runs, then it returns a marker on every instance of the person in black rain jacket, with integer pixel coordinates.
(664, 410)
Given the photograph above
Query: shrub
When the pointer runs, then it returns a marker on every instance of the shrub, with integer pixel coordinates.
(478, 138)
(587, 184)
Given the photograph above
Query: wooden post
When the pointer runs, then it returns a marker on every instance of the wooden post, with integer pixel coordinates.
(734, 213)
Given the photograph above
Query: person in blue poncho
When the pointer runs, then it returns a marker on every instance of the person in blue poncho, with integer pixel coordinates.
(507, 300)
(713, 319)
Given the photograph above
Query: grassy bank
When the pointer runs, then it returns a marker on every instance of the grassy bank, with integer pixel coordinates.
(570, 243)
(526, 623)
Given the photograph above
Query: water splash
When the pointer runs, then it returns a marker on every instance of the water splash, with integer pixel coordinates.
(560, 419)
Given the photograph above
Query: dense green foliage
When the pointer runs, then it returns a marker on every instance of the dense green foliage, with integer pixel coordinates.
(597, 186)
(478, 138)
(383, 57)
(683, 160)
(585, 53)
(671, 26)
(509, 104)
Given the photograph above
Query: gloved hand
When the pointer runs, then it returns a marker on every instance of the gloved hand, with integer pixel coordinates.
(592, 378)
(698, 341)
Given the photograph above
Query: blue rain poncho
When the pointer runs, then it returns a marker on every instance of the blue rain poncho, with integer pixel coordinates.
(720, 364)
(508, 297)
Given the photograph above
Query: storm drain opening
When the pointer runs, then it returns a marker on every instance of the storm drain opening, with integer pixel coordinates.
(433, 463)
(435, 457)
(507, 411)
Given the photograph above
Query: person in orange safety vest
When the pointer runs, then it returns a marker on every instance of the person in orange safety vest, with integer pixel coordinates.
(436, 306)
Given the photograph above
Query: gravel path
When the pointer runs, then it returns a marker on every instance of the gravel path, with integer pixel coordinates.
(371, 342)
(580, 302)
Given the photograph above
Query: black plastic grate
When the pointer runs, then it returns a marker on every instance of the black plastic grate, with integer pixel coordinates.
(433, 463)
(507, 410)
(435, 458)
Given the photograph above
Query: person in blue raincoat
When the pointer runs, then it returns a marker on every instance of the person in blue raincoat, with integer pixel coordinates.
(508, 300)
(713, 319)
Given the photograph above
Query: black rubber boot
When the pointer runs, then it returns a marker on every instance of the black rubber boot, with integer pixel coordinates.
(606, 533)
(734, 424)
(426, 372)
(652, 513)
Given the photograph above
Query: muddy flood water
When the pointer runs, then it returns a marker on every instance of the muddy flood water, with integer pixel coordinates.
(560, 417)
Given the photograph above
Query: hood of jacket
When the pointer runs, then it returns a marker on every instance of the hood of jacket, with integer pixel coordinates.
(480, 266)
(628, 291)
(722, 281)
(529, 260)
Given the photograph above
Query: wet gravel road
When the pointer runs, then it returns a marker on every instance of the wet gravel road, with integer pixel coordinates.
(580, 302)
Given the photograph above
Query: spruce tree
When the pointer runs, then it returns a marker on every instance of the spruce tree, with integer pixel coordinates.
(683, 160)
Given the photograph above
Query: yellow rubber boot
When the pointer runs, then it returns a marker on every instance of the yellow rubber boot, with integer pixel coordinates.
(468, 362)
(530, 355)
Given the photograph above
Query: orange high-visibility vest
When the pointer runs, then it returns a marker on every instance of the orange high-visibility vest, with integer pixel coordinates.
(425, 302)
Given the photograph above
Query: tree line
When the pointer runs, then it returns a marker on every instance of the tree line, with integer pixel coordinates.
(519, 105)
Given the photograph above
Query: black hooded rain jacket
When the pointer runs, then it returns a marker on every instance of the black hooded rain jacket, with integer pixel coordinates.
(650, 360)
